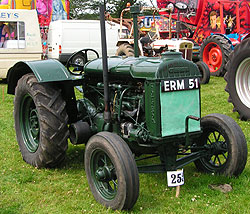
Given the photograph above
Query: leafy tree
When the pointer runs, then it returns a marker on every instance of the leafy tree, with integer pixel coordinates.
(89, 9)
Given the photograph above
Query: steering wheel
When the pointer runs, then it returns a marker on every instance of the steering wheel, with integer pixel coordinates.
(75, 63)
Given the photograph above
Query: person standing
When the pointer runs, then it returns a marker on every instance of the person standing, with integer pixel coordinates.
(3, 31)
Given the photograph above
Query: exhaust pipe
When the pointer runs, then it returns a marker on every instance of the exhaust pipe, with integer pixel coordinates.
(135, 11)
(107, 113)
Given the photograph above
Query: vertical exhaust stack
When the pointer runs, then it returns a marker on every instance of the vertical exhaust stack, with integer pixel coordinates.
(107, 114)
(135, 11)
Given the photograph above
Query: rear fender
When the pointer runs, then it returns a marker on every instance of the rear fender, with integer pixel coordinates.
(47, 71)
(44, 70)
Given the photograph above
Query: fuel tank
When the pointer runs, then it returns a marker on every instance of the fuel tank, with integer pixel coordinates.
(169, 65)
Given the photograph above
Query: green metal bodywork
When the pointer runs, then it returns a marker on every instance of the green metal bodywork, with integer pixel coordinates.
(170, 65)
(165, 113)
(44, 70)
(152, 107)
(129, 67)
(175, 107)
(49, 70)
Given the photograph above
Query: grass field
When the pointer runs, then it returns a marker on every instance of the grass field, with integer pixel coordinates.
(25, 189)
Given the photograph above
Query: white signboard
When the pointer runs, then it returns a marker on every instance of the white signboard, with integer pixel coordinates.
(175, 178)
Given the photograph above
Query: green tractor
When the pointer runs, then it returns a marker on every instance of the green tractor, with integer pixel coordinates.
(132, 108)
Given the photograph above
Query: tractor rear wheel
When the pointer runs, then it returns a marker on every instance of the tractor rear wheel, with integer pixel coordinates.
(215, 50)
(238, 79)
(227, 153)
(125, 50)
(40, 122)
(111, 171)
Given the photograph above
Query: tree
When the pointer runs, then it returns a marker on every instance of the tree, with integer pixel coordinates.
(89, 9)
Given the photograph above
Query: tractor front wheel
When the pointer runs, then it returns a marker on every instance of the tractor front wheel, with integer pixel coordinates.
(214, 52)
(111, 171)
(40, 122)
(227, 146)
(205, 73)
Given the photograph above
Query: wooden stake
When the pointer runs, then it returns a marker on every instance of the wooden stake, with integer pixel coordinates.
(178, 188)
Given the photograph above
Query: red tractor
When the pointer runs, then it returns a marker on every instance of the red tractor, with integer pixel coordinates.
(217, 26)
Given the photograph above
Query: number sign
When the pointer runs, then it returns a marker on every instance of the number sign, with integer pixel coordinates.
(175, 178)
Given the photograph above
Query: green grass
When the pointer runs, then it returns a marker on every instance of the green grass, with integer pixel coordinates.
(25, 189)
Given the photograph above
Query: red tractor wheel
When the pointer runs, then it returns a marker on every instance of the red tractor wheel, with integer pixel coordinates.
(214, 52)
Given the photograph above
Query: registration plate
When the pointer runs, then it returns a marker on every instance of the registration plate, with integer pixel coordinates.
(180, 84)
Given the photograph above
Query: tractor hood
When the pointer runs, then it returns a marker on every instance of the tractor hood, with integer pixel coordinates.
(169, 65)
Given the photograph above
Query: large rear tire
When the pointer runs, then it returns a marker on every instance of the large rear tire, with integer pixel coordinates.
(227, 143)
(125, 50)
(214, 51)
(40, 122)
(238, 79)
(111, 171)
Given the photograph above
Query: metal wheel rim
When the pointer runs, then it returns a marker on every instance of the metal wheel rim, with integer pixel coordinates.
(29, 123)
(219, 155)
(100, 162)
(212, 56)
(242, 82)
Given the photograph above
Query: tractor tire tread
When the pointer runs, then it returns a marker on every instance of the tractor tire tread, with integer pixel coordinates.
(226, 49)
(52, 119)
(240, 52)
